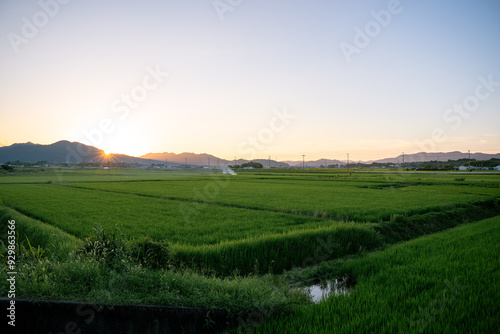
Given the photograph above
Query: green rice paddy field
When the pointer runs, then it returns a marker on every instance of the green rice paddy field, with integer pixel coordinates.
(252, 230)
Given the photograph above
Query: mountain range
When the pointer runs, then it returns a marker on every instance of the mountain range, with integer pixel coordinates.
(73, 152)
(61, 151)
(439, 156)
(205, 159)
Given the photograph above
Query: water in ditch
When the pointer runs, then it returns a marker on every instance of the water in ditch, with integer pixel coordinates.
(325, 289)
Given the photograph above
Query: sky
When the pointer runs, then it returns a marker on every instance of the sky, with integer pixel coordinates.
(253, 79)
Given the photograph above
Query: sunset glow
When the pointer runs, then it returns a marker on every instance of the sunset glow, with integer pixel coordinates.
(372, 78)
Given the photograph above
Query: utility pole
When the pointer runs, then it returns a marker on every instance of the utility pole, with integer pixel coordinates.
(303, 161)
(186, 162)
(166, 163)
(469, 160)
(348, 162)
(269, 161)
(208, 162)
(402, 165)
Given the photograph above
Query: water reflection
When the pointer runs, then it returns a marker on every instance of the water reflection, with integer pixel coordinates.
(324, 289)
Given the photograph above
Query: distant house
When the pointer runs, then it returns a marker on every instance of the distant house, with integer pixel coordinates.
(497, 167)
(466, 168)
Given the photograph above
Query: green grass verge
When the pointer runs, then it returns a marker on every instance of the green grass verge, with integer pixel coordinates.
(33, 232)
(275, 253)
(443, 283)
(57, 272)
(86, 281)
(401, 228)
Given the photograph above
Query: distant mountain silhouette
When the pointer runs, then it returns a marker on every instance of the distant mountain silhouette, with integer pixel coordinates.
(202, 159)
(205, 159)
(439, 156)
(415, 157)
(61, 151)
(315, 163)
(74, 152)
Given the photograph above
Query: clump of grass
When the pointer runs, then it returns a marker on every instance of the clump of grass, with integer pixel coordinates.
(397, 218)
(113, 250)
(108, 248)
(152, 254)
(35, 252)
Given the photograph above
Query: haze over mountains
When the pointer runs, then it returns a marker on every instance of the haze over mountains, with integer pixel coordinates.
(74, 152)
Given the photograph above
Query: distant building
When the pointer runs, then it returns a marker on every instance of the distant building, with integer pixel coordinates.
(497, 167)
(471, 168)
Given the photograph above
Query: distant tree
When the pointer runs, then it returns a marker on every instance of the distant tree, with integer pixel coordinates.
(252, 164)
(466, 163)
(8, 168)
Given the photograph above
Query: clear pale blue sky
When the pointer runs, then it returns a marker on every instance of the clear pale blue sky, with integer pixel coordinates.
(227, 76)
